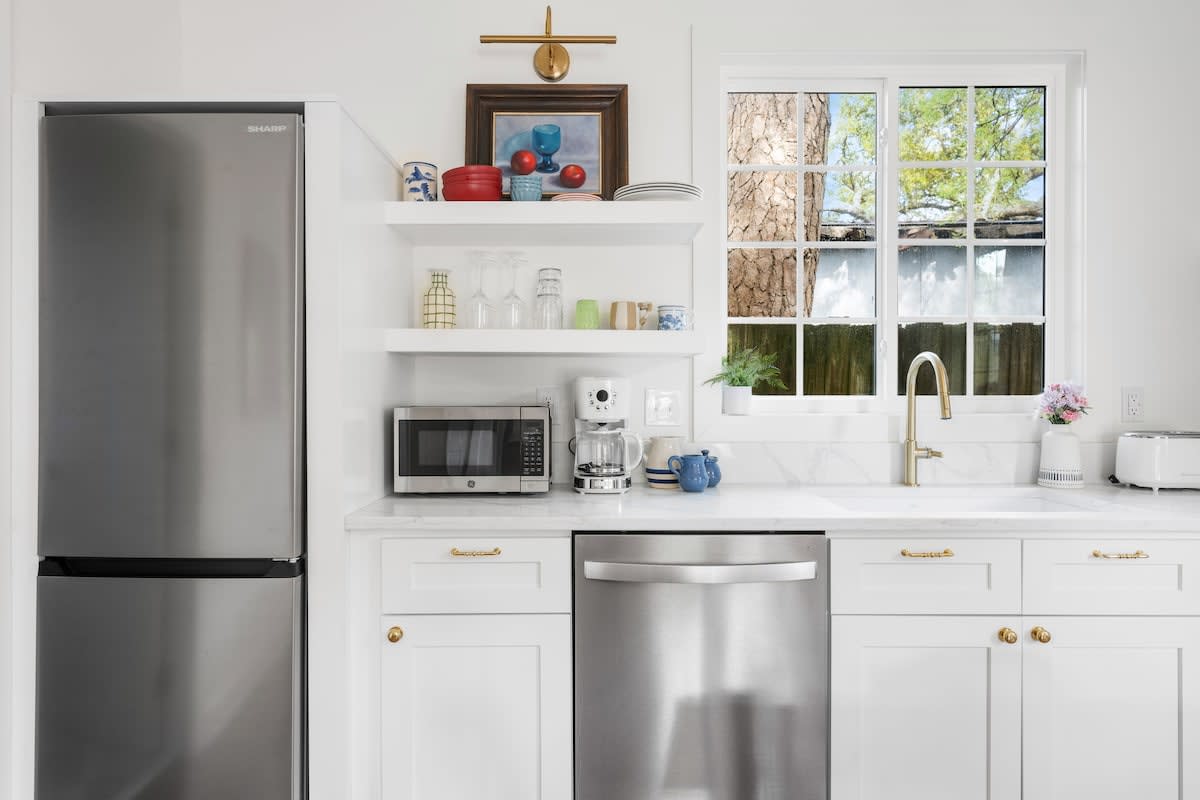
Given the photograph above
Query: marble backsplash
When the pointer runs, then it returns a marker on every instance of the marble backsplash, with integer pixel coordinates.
(837, 463)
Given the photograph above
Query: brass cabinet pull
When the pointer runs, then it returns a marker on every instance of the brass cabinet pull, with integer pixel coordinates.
(1040, 634)
(454, 551)
(395, 634)
(1008, 636)
(1138, 554)
(947, 553)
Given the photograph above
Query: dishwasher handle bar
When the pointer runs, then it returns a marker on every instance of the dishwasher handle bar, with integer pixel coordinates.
(700, 573)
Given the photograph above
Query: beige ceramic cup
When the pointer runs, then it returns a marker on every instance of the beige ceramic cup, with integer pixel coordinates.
(623, 316)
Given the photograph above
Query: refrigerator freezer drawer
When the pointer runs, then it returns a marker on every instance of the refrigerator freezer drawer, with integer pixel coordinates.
(182, 688)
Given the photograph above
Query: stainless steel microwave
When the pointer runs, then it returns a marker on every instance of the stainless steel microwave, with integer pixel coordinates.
(471, 449)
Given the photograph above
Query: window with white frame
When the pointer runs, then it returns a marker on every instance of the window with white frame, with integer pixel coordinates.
(871, 220)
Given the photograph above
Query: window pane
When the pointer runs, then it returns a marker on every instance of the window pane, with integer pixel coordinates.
(839, 128)
(1010, 123)
(839, 359)
(762, 206)
(776, 340)
(1010, 203)
(839, 283)
(933, 124)
(839, 206)
(932, 281)
(762, 283)
(762, 128)
(949, 342)
(933, 203)
(1008, 358)
(1008, 281)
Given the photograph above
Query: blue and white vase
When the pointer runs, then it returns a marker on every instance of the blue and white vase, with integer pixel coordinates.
(420, 181)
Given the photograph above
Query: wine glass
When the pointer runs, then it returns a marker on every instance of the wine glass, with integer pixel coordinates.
(512, 307)
(546, 141)
(479, 308)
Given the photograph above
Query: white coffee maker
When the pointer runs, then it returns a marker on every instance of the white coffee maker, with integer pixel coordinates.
(605, 454)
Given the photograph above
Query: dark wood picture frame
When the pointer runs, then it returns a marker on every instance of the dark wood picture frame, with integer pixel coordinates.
(609, 100)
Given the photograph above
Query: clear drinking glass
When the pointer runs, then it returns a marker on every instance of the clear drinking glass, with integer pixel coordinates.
(548, 309)
(512, 307)
(479, 308)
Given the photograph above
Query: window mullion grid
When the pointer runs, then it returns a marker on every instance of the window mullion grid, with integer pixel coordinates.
(889, 248)
(801, 237)
(883, 236)
(969, 383)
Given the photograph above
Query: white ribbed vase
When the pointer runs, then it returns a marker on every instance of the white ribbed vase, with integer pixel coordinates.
(1061, 465)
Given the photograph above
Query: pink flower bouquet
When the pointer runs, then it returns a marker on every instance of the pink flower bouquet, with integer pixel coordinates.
(1062, 403)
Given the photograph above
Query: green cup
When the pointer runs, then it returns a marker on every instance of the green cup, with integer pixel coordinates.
(587, 315)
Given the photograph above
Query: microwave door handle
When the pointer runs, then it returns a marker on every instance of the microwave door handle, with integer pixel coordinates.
(700, 573)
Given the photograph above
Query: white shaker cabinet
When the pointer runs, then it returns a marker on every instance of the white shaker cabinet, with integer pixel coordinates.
(1112, 709)
(476, 707)
(935, 704)
(925, 708)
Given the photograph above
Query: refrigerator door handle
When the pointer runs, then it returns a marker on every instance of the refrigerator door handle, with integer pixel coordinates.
(700, 573)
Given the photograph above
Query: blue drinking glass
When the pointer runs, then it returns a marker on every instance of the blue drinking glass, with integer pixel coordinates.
(546, 141)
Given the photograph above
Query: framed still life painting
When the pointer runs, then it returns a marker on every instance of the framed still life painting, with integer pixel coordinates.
(585, 126)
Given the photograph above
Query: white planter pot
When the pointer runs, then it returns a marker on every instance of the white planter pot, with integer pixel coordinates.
(735, 400)
(1061, 466)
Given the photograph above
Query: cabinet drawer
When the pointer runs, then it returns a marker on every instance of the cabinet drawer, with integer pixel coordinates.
(460, 575)
(1091, 576)
(906, 575)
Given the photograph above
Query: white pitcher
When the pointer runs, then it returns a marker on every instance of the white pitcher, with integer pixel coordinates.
(660, 448)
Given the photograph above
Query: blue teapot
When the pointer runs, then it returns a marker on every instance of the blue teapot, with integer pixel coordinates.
(714, 471)
(690, 469)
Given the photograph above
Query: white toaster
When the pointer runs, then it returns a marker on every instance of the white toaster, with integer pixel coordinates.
(1159, 459)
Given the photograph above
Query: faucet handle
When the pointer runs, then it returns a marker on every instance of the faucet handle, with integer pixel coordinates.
(934, 453)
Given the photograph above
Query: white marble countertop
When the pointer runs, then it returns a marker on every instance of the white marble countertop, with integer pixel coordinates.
(841, 510)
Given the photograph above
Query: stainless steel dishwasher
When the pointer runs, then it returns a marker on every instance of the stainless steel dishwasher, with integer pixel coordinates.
(701, 666)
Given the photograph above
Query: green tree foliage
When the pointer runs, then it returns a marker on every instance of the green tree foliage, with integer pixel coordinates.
(1009, 126)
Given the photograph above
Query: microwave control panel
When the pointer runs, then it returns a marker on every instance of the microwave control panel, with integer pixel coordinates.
(533, 448)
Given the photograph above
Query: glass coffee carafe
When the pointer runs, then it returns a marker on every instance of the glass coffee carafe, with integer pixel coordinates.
(605, 450)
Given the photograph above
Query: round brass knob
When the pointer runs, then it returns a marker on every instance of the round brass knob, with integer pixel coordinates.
(1040, 634)
(1008, 636)
(395, 634)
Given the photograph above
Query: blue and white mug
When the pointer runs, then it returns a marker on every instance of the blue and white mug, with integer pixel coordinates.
(420, 181)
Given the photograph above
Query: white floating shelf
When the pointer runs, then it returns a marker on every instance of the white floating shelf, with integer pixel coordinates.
(646, 222)
(543, 342)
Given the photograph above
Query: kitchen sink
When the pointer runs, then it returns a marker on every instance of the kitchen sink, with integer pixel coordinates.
(958, 500)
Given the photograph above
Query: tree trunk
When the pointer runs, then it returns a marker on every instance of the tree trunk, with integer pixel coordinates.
(816, 137)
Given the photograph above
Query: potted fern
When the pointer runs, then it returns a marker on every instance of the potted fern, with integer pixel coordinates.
(741, 371)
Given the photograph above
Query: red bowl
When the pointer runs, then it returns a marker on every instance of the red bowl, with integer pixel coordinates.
(481, 181)
(475, 170)
(488, 186)
(470, 191)
(477, 176)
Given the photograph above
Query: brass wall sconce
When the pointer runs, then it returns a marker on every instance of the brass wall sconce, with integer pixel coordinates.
(551, 60)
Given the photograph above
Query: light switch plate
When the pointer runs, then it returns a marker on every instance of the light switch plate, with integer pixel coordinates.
(553, 396)
(664, 407)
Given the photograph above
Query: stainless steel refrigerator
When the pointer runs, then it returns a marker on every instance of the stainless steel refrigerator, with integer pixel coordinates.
(171, 588)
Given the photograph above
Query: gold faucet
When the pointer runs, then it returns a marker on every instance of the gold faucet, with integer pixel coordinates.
(911, 451)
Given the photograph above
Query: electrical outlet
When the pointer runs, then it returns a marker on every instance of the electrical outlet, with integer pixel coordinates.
(553, 396)
(1132, 407)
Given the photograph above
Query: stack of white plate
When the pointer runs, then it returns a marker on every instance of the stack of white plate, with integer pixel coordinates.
(576, 196)
(661, 190)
